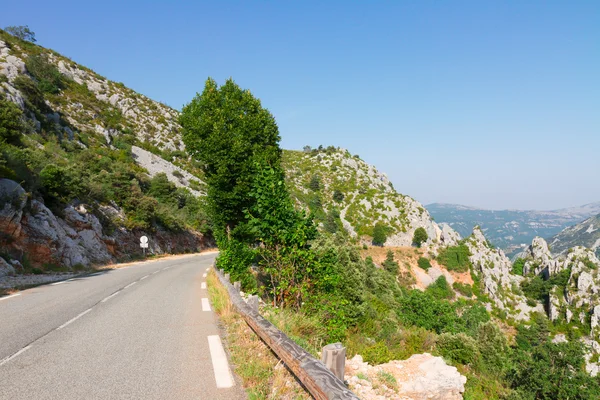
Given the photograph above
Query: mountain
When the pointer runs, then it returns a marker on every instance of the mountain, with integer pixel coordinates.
(87, 166)
(340, 188)
(586, 234)
(510, 230)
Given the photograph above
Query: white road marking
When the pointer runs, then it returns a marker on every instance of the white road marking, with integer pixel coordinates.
(165, 268)
(208, 268)
(144, 277)
(204, 275)
(203, 285)
(155, 272)
(74, 319)
(219, 361)
(130, 285)
(8, 297)
(110, 297)
(205, 304)
(61, 282)
(7, 359)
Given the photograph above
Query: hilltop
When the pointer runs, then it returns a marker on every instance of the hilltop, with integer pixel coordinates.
(586, 234)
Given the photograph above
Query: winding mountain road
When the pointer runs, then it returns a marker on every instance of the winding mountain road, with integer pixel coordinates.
(139, 332)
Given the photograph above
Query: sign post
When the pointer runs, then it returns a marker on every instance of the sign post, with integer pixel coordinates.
(144, 244)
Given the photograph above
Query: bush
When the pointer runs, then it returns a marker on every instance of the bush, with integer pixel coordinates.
(423, 310)
(420, 236)
(338, 196)
(463, 288)
(315, 183)
(517, 267)
(379, 234)
(440, 289)
(493, 348)
(50, 80)
(424, 263)
(11, 122)
(457, 348)
(377, 354)
(389, 264)
(455, 258)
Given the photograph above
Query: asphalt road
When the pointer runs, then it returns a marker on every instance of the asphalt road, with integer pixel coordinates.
(140, 332)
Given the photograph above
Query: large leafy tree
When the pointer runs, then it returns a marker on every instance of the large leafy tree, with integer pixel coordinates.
(226, 129)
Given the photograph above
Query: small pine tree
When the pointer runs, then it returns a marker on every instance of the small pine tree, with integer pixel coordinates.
(420, 236)
(338, 196)
(315, 183)
(389, 264)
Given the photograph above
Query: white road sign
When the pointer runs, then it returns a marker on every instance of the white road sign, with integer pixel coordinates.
(144, 240)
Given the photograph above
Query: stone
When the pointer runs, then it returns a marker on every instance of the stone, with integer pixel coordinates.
(6, 269)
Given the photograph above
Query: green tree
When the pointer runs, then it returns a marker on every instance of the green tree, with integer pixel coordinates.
(284, 235)
(379, 234)
(424, 263)
(440, 289)
(50, 80)
(21, 32)
(455, 258)
(315, 183)
(11, 122)
(227, 130)
(420, 236)
(389, 264)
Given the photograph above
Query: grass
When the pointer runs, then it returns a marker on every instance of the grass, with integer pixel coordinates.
(263, 375)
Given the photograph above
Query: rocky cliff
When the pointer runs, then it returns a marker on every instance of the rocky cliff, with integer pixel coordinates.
(331, 179)
(586, 234)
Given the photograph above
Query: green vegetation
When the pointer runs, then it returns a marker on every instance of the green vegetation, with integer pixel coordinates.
(389, 264)
(455, 258)
(419, 237)
(380, 233)
(518, 265)
(440, 289)
(21, 32)
(424, 263)
(463, 288)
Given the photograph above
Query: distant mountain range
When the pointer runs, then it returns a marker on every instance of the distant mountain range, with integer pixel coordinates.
(586, 233)
(512, 230)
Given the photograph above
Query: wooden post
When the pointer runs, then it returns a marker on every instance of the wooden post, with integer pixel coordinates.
(334, 358)
(253, 302)
(237, 285)
(227, 278)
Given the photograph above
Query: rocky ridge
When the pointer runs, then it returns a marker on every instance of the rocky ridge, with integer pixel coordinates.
(586, 234)
(364, 196)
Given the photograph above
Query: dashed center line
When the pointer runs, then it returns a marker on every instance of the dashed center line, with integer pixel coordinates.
(61, 282)
(144, 277)
(110, 297)
(205, 304)
(155, 272)
(219, 361)
(130, 285)
(74, 319)
(203, 285)
(7, 359)
(8, 297)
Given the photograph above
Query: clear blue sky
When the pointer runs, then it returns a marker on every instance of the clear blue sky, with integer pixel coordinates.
(485, 103)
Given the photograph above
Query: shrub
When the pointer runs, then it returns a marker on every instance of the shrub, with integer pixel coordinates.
(379, 234)
(463, 288)
(424, 263)
(21, 32)
(455, 258)
(389, 264)
(423, 310)
(493, 347)
(377, 354)
(517, 267)
(457, 348)
(11, 122)
(440, 289)
(338, 196)
(315, 183)
(420, 236)
(50, 80)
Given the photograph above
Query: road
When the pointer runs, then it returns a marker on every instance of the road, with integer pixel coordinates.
(139, 332)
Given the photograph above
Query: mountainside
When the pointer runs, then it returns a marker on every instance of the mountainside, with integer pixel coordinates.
(510, 230)
(586, 234)
(335, 185)
(87, 166)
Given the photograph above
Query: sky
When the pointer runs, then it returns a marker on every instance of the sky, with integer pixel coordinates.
(494, 104)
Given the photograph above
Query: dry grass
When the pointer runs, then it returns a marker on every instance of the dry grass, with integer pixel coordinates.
(263, 375)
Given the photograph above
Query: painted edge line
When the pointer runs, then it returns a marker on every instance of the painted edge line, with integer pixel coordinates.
(74, 319)
(7, 359)
(223, 376)
(8, 297)
(205, 304)
(130, 285)
(144, 277)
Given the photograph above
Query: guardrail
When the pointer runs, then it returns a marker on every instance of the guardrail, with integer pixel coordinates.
(320, 382)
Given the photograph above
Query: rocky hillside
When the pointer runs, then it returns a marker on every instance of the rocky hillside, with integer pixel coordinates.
(87, 166)
(511, 230)
(336, 185)
(586, 234)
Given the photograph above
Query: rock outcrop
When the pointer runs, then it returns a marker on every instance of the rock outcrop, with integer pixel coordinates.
(494, 270)
(421, 377)
(29, 230)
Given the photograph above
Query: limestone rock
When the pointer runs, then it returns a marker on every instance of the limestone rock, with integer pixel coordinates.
(6, 268)
(421, 377)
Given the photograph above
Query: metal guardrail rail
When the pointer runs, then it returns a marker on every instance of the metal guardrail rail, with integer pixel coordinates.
(320, 382)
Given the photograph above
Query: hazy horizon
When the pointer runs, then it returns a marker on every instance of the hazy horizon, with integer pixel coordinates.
(490, 104)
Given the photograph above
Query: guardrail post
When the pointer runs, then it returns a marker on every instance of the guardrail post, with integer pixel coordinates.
(237, 285)
(227, 278)
(334, 358)
(253, 302)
